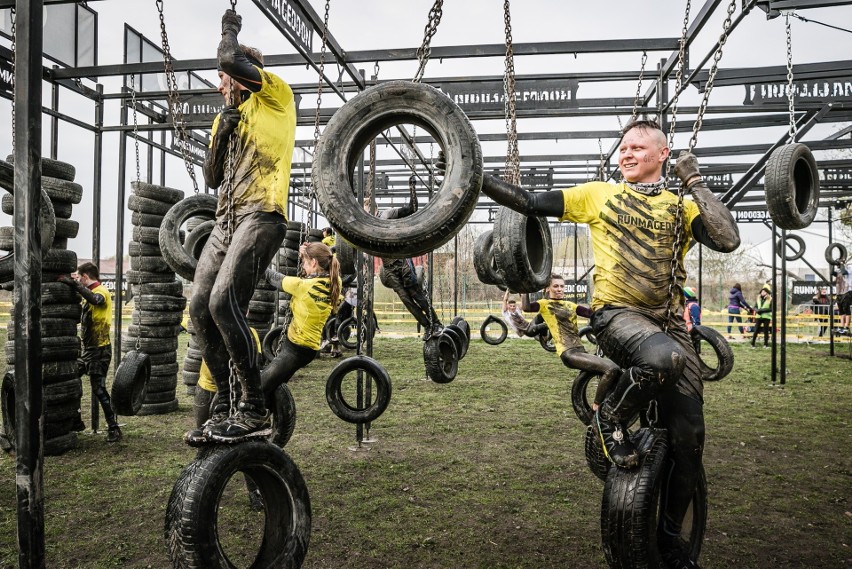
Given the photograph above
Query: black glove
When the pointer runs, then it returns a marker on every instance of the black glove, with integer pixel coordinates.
(231, 22)
(687, 166)
(66, 280)
(441, 164)
(229, 118)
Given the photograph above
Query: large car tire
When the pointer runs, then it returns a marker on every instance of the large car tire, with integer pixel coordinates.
(441, 359)
(198, 205)
(596, 459)
(130, 383)
(345, 254)
(284, 414)
(191, 529)
(523, 250)
(722, 350)
(352, 128)
(483, 331)
(463, 341)
(197, 238)
(483, 259)
(339, 403)
(52, 168)
(792, 186)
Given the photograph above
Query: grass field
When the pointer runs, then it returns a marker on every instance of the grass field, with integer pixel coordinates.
(484, 472)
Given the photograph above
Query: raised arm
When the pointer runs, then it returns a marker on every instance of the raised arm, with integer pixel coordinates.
(715, 227)
(232, 58)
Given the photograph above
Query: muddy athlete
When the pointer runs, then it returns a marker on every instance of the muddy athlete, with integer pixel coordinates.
(94, 331)
(560, 317)
(250, 226)
(399, 275)
(632, 226)
(513, 317)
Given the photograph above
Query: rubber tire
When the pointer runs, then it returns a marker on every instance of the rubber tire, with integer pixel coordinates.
(171, 288)
(345, 254)
(197, 238)
(791, 186)
(198, 205)
(334, 392)
(191, 513)
(545, 340)
(781, 249)
(135, 249)
(160, 303)
(150, 264)
(345, 332)
(52, 168)
(630, 505)
(504, 331)
(596, 460)
(270, 343)
(62, 190)
(358, 122)
(586, 332)
(130, 383)
(579, 396)
(66, 229)
(441, 359)
(483, 259)
(841, 253)
(146, 219)
(465, 341)
(523, 251)
(154, 192)
(7, 407)
(723, 351)
(456, 336)
(61, 210)
(47, 220)
(284, 413)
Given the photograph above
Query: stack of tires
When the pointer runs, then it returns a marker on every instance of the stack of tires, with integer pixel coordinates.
(198, 230)
(261, 311)
(288, 264)
(157, 294)
(60, 314)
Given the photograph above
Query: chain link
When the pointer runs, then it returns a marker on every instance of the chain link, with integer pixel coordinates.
(425, 49)
(681, 57)
(512, 173)
(639, 86)
(790, 94)
(135, 123)
(711, 76)
(178, 121)
(312, 198)
(12, 15)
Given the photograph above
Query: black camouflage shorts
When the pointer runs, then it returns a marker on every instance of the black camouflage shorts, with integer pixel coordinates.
(94, 362)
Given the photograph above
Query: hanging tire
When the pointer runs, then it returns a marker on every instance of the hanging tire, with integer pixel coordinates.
(483, 259)
(792, 186)
(7, 408)
(47, 221)
(339, 403)
(523, 250)
(721, 349)
(586, 332)
(270, 343)
(197, 238)
(545, 340)
(352, 128)
(284, 415)
(441, 359)
(345, 254)
(582, 393)
(483, 331)
(130, 383)
(191, 532)
(463, 343)
(456, 337)
(631, 502)
(596, 460)
(329, 330)
(798, 249)
(830, 258)
(197, 205)
(462, 325)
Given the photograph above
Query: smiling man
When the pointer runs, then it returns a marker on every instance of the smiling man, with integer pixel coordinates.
(633, 228)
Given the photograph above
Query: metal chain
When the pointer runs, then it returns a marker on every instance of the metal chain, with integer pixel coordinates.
(681, 63)
(512, 173)
(639, 86)
(178, 121)
(13, 15)
(367, 302)
(790, 94)
(602, 165)
(425, 49)
(312, 199)
(711, 77)
(135, 123)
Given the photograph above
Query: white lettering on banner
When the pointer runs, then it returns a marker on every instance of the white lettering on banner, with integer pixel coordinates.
(816, 89)
(292, 17)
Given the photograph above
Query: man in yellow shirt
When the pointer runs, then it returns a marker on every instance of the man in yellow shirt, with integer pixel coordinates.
(249, 156)
(94, 331)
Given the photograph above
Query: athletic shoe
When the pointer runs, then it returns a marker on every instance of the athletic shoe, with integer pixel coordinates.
(615, 440)
(198, 437)
(255, 501)
(335, 354)
(114, 434)
(245, 424)
(674, 554)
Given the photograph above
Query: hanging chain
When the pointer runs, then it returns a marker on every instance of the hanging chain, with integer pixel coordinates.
(425, 49)
(639, 86)
(234, 5)
(135, 123)
(13, 14)
(512, 173)
(790, 94)
(711, 77)
(366, 303)
(312, 198)
(178, 121)
(602, 165)
(681, 62)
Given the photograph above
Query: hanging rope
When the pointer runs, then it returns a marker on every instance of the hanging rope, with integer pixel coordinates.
(175, 109)
(425, 49)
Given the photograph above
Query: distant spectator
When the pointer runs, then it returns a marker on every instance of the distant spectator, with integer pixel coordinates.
(843, 289)
(821, 302)
(692, 311)
(736, 302)
(763, 316)
(328, 237)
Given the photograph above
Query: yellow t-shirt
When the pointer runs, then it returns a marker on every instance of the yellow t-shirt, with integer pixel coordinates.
(561, 319)
(205, 380)
(267, 134)
(329, 240)
(311, 305)
(632, 239)
(95, 321)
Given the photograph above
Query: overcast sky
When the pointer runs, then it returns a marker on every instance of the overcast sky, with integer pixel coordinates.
(194, 26)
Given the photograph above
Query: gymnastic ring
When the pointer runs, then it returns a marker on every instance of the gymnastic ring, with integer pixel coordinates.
(791, 186)
(334, 390)
(340, 149)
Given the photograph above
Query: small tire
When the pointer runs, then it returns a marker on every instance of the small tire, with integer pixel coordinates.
(339, 404)
(483, 259)
(523, 250)
(441, 359)
(158, 193)
(596, 460)
(198, 205)
(830, 258)
(284, 414)
(464, 341)
(792, 186)
(130, 383)
(483, 331)
(722, 350)
(270, 343)
(582, 386)
(798, 249)
(349, 131)
(457, 338)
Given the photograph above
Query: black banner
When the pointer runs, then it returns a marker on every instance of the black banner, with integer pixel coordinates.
(288, 16)
(816, 90)
(751, 216)
(803, 291)
(532, 177)
(7, 73)
(529, 94)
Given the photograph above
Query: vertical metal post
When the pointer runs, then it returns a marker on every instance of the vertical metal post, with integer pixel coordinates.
(97, 177)
(119, 237)
(163, 161)
(362, 316)
(783, 311)
(576, 250)
(831, 299)
(456, 275)
(774, 371)
(150, 178)
(54, 120)
(27, 304)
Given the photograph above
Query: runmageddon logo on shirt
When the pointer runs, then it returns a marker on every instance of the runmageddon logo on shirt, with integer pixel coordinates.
(644, 223)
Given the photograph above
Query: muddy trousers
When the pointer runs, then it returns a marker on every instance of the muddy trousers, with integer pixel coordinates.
(418, 305)
(289, 359)
(662, 367)
(94, 362)
(225, 278)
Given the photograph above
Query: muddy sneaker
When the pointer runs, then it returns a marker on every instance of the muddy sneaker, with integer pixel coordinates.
(245, 424)
(256, 501)
(673, 554)
(114, 434)
(615, 441)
